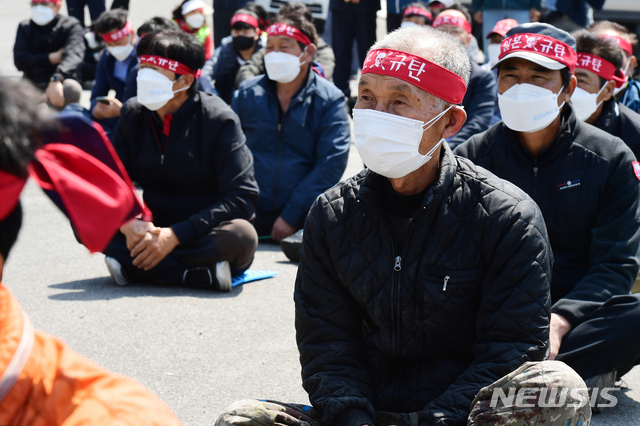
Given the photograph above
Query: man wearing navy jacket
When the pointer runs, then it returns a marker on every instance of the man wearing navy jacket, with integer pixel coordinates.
(587, 184)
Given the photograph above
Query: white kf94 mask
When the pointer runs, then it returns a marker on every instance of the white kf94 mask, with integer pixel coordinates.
(528, 108)
(155, 89)
(584, 103)
(388, 143)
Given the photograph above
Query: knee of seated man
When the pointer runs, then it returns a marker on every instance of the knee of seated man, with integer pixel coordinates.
(237, 236)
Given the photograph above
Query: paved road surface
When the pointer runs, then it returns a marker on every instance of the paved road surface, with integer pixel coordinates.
(197, 350)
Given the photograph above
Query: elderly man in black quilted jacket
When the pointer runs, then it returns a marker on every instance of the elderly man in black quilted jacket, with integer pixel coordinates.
(423, 287)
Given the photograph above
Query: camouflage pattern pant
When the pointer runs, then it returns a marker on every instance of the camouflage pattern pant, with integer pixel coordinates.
(538, 393)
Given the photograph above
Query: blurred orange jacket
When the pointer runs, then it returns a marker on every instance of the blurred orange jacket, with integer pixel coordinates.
(43, 382)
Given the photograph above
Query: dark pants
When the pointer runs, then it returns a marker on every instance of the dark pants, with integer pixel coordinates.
(120, 4)
(76, 9)
(394, 20)
(609, 340)
(234, 241)
(345, 28)
(221, 24)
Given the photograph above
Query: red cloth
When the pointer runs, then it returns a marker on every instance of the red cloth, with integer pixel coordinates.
(118, 34)
(288, 31)
(169, 65)
(444, 19)
(601, 67)
(10, 189)
(540, 45)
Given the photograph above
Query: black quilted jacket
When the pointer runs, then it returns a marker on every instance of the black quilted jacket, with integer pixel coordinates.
(420, 328)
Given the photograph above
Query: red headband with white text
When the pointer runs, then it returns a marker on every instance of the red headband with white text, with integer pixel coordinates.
(119, 34)
(452, 20)
(620, 41)
(417, 11)
(601, 67)
(247, 19)
(289, 31)
(169, 65)
(418, 71)
(542, 45)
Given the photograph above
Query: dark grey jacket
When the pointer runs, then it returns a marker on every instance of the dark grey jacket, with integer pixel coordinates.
(423, 326)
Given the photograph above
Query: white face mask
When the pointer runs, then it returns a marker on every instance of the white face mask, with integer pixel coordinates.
(121, 53)
(196, 20)
(389, 144)
(626, 83)
(584, 103)
(528, 108)
(409, 24)
(42, 14)
(282, 67)
(493, 50)
(155, 89)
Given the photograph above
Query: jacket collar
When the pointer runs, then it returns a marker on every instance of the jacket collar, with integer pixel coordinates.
(569, 125)
(186, 111)
(609, 117)
(371, 187)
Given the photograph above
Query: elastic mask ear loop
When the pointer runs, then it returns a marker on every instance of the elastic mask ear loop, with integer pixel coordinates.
(600, 91)
(303, 50)
(180, 90)
(558, 94)
(434, 119)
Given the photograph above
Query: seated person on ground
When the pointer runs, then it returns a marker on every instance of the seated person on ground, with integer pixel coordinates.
(72, 91)
(423, 279)
(296, 126)
(479, 100)
(323, 63)
(186, 150)
(49, 48)
(587, 185)
(191, 18)
(49, 384)
(628, 94)
(598, 74)
(114, 67)
(234, 51)
(416, 13)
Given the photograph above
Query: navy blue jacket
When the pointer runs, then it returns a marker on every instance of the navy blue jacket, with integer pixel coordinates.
(478, 102)
(585, 185)
(105, 81)
(298, 154)
(622, 122)
(631, 96)
(578, 10)
(223, 66)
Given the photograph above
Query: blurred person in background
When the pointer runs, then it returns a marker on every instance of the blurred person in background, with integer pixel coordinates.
(479, 100)
(49, 48)
(323, 63)
(187, 152)
(114, 67)
(223, 11)
(489, 12)
(72, 91)
(629, 93)
(397, 13)
(76, 9)
(235, 51)
(296, 127)
(416, 13)
(191, 17)
(570, 15)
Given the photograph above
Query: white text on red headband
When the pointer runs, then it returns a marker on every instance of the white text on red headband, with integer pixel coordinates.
(452, 20)
(542, 45)
(601, 67)
(289, 31)
(119, 34)
(417, 11)
(169, 65)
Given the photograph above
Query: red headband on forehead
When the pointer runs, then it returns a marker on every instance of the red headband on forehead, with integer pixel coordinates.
(169, 65)
(417, 11)
(620, 41)
(119, 34)
(601, 67)
(452, 20)
(247, 19)
(539, 44)
(289, 31)
(418, 71)
(10, 189)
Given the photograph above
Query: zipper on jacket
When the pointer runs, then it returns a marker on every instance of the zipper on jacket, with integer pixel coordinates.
(397, 266)
(446, 281)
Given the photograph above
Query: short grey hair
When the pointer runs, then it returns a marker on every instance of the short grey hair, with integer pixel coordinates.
(437, 46)
(72, 91)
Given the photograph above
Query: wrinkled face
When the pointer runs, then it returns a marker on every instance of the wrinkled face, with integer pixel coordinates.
(394, 96)
(518, 71)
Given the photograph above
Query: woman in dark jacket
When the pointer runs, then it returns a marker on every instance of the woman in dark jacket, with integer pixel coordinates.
(187, 151)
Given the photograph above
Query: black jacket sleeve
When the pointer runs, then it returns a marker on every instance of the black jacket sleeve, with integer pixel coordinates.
(254, 67)
(479, 103)
(74, 48)
(614, 245)
(512, 325)
(332, 374)
(233, 164)
(24, 59)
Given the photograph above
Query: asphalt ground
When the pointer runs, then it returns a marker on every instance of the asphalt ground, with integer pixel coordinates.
(199, 351)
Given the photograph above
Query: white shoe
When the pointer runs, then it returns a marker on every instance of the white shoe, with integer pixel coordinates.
(115, 269)
(223, 275)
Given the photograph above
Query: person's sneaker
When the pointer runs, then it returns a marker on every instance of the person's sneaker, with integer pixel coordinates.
(291, 246)
(203, 277)
(597, 383)
(115, 269)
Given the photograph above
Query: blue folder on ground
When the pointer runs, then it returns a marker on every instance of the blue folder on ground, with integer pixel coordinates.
(252, 275)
